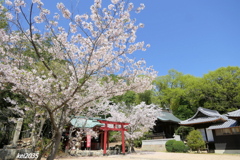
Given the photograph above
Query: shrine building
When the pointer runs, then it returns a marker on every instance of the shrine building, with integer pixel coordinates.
(87, 142)
(220, 132)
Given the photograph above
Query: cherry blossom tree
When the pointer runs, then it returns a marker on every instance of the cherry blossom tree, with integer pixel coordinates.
(62, 69)
(141, 117)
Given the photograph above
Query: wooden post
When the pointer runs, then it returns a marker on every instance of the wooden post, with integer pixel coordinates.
(105, 142)
(206, 134)
(102, 140)
(206, 139)
(107, 139)
(123, 141)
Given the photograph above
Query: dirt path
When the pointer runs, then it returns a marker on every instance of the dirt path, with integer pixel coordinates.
(161, 156)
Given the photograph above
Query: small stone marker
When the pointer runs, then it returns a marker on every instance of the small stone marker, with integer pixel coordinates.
(17, 131)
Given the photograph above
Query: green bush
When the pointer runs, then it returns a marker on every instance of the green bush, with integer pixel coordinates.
(179, 146)
(169, 145)
(138, 142)
(183, 131)
(195, 140)
(175, 146)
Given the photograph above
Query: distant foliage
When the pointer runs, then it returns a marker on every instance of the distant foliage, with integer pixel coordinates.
(133, 98)
(114, 136)
(195, 140)
(173, 91)
(183, 93)
(221, 89)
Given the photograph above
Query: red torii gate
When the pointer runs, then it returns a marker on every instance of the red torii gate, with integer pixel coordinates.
(106, 129)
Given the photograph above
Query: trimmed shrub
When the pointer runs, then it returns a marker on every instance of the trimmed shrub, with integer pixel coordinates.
(179, 146)
(169, 145)
(195, 140)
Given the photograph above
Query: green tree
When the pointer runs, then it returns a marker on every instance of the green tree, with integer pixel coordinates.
(195, 140)
(146, 97)
(129, 98)
(183, 94)
(175, 91)
(132, 98)
(3, 19)
(183, 131)
(221, 89)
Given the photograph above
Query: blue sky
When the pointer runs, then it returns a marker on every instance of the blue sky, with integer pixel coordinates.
(191, 36)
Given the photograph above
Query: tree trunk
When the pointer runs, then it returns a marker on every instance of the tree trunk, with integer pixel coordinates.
(57, 132)
(56, 143)
(36, 136)
(41, 153)
(34, 139)
(131, 147)
(132, 150)
(41, 127)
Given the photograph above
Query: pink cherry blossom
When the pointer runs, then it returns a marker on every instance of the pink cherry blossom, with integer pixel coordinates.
(66, 69)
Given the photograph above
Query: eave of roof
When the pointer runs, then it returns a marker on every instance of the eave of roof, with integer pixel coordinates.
(230, 123)
(209, 112)
(85, 123)
(168, 117)
(211, 116)
(202, 120)
(234, 114)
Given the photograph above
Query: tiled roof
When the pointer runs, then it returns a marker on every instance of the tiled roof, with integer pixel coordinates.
(167, 116)
(204, 115)
(234, 114)
(208, 112)
(229, 123)
(87, 123)
(200, 120)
